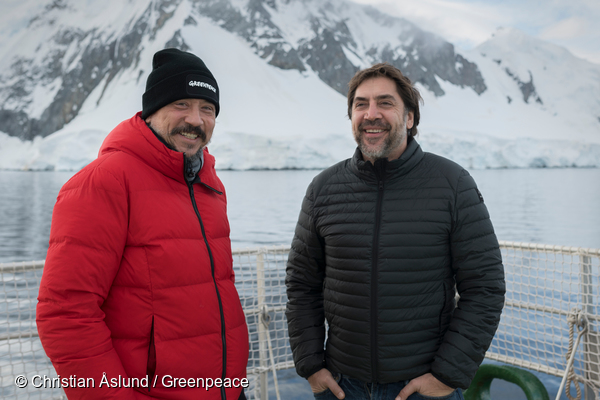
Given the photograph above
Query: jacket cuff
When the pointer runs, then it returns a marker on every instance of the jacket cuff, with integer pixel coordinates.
(314, 370)
(436, 376)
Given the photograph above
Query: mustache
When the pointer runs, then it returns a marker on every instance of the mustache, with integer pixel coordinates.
(376, 123)
(189, 128)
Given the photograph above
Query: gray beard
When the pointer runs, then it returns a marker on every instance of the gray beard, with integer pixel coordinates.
(195, 156)
(391, 142)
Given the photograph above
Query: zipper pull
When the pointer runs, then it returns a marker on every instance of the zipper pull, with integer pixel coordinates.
(190, 173)
(189, 168)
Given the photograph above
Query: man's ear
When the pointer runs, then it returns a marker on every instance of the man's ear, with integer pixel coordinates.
(410, 120)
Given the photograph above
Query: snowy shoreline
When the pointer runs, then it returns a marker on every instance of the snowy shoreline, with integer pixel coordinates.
(72, 150)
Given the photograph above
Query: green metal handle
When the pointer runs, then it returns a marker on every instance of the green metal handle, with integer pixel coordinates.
(480, 387)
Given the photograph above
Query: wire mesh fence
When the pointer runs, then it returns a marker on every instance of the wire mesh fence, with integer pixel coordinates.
(260, 279)
(552, 299)
(551, 312)
(21, 352)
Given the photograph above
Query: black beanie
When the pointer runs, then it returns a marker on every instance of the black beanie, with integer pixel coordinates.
(178, 75)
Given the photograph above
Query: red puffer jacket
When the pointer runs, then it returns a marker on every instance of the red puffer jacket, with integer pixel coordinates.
(138, 280)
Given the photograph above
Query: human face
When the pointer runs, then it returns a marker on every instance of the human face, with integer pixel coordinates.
(379, 120)
(186, 125)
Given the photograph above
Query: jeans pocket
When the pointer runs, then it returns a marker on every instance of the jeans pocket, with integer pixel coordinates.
(452, 396)
(322, 394)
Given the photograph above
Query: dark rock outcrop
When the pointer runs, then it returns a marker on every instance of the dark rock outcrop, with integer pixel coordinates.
(81, 62)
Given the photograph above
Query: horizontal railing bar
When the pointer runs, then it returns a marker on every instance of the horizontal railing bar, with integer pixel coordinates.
(280, 250)
(548, 248)
(283, 249)
(21, 266)
(19, 335)
(254, 310)
(525, 364)
(278, 366)
(546, 309)
(535, 307)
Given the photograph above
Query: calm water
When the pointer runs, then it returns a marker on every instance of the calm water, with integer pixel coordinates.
(551, 206)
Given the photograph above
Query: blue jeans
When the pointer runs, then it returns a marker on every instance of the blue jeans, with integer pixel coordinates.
(358, 390)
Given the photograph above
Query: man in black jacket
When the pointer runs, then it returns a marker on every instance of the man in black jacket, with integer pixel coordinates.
(383, 241)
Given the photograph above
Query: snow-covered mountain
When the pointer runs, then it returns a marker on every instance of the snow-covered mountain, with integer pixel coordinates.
(70, 71)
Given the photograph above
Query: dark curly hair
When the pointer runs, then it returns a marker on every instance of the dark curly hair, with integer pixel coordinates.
(408, 93)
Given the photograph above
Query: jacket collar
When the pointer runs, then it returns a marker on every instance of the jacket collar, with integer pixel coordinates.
(387, 169)
(134, 137)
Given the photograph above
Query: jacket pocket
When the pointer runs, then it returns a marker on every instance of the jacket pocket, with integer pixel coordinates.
(447, 309)
(151, 364)
(441, 317)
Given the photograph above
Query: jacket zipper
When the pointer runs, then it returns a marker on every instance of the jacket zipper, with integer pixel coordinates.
(212, 270)
(374, 275)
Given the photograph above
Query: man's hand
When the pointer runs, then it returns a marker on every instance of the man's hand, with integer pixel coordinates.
(322, 380)
(426, 385)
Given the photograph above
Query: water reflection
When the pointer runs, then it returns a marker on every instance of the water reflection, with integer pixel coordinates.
(26, 202)
(551, 206)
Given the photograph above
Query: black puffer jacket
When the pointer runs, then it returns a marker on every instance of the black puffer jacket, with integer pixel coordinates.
(378, 251)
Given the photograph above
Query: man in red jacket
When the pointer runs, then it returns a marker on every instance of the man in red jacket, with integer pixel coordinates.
(137, 298)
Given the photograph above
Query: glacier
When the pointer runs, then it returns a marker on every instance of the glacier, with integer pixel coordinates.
(540, 107)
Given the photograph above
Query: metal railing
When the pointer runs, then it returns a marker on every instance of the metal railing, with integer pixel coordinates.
(551, 314)
(550, 319)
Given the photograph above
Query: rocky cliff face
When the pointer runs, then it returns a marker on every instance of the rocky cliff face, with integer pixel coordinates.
(74, 62)
(41, 92)
(329, 43)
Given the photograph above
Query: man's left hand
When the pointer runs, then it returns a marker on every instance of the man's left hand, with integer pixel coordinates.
(426, 385)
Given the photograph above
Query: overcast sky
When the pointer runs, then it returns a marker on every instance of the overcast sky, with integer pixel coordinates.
(573, 24)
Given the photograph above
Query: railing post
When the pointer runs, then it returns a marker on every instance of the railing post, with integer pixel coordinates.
(590, 339)
(262, 331)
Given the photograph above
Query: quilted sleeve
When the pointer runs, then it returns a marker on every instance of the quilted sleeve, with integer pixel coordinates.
(304, 281)
(88, 234)
(477, 264)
